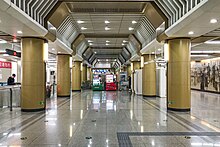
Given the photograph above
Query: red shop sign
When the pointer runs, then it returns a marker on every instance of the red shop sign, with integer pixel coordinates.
(5, 64)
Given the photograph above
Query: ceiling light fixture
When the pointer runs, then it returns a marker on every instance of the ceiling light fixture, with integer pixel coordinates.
(2, 41)
(89, 41)
(15, 40)
(90, 44)
(123, 44)
(5, 55)
(52, 28)
(107, 28)
(153, 52)
(212, 42)
(191, 33)
(95, 52)
(107, 22)
(107, 41)
(53, 49)
(83, 28)
(124, 41)
(59, 52)
(107, 44)
(134, 22)
(159, 49)
(80, 21)
(213, 21)
(199, 55)
(19, 32)
(130, 29)
(206, 52)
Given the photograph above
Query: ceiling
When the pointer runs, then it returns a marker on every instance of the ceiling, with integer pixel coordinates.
(99, 20)
(117, 42)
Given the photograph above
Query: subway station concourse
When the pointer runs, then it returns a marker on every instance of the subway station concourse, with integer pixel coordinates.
(109, 73)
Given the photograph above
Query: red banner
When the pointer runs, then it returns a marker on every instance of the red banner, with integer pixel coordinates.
(5, 64)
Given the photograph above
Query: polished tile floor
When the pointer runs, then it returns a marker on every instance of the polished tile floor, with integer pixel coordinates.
(113, 119)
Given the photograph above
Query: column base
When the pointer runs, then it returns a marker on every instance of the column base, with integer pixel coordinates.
(63, 95)
(76, 90)
(179, 110)
(33, 110)
(151, 96)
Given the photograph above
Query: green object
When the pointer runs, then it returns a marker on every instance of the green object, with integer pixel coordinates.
(170, 102)
(97, 87)
(41, 102)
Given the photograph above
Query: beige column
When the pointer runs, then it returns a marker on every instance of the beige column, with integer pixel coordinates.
(88, 73)
(91, 75)
(84, 73)
(149, 77)
(129, 70)
(63, 75)
(136, 65)
(76, 76)
(179, 75)
(33, 83)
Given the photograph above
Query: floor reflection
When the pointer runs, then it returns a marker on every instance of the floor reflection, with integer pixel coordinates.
(101, 115)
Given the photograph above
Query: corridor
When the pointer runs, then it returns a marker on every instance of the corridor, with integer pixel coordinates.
(112, 119)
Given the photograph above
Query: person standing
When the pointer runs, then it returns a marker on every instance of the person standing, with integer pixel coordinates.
(11, 80)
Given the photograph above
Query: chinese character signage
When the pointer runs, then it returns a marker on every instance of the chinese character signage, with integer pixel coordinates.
(5, 64)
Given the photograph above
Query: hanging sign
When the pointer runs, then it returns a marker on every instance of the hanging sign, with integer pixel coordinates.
(5, 64)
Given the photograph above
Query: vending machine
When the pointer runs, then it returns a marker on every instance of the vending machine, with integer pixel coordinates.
(110, 82)
(97, 82)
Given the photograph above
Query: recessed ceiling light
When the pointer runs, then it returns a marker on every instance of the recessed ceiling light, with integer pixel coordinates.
(159, 49)
(106, 44)
(15, 40)
(153, 52)
(95, 52)
(59, 52)
(2, 41)
(83, 28)
(90, 41)
(123, 44)
(107, 41)
(5, 55)
(213, 21)
(124, 41)
(130, 28)
(107, 22)
(80, 21)
(19, 32)
(134, 22)
(52, 28)
(90, 44)
(107, 28)
(53, 49)
(191, 33)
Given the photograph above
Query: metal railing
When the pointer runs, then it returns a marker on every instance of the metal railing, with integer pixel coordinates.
(10, 96)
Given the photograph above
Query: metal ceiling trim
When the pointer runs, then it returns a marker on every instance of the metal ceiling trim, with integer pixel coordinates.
(127, 50)
(37, 10)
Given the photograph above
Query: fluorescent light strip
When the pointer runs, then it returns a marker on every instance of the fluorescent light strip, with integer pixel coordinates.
(199, 55)
(212, 42)
(205, 52)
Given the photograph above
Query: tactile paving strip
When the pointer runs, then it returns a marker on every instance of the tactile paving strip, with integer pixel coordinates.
(124, 137)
